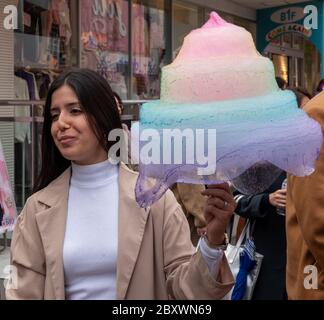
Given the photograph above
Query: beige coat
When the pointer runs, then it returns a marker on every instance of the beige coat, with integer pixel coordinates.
(305, 223)
(155, 257)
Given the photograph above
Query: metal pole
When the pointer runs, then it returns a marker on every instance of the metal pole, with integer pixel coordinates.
(33, 127)
(130, 50)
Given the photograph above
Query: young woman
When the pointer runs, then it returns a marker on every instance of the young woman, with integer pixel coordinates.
(81, 235)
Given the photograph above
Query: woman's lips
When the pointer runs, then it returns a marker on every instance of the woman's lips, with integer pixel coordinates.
(67, 140)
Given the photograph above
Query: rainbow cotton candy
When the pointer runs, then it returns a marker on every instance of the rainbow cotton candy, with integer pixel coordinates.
(220, 82)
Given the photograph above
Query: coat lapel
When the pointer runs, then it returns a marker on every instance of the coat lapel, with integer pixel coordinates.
(51, 223)
(131, 225)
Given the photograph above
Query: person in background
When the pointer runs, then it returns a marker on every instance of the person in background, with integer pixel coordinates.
(119, 103)
(267, 211)
(131, 163)
(282, 84)
(305, 224)
(320, 86)
(120, 108)
(302, 95)
(82, 235)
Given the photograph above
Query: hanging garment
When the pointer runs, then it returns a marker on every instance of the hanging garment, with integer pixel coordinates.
(9, 212)
(43, 83)
(39, 3)
(22, 129)
(33, 29)
(30, 82)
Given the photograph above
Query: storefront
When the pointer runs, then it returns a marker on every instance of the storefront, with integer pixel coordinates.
(293, 39)
(126, 41)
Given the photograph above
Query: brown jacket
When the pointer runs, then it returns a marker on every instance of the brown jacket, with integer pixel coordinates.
(155, 257)
(305, 222)
(192, 201)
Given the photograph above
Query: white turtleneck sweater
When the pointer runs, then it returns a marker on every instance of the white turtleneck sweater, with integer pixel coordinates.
(90, 243)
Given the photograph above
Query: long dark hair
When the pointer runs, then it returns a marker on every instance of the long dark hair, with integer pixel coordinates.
(97, 101)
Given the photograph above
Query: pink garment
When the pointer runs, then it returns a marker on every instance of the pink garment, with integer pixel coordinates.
(104, 25)
(6, 198)
(140, 31)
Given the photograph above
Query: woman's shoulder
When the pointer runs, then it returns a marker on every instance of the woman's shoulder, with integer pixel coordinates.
(54, 192)
(166, 205)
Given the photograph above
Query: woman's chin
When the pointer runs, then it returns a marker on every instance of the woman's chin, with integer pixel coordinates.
(70, 156)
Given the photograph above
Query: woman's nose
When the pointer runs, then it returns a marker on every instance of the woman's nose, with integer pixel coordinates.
(63, 121)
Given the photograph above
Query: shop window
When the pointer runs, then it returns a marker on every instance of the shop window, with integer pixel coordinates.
(246, 24)
(298, 41)
(44, 47)
(312, 66)
(104, 41)
(43, 39)
(186, 17)
(286, 40)
(149, 39)
(276, 41)
(280, 63)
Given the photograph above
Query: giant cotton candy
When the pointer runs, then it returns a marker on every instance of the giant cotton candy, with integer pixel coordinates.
(220, 82)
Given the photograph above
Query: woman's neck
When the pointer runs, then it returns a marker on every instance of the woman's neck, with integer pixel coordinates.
(93, 175)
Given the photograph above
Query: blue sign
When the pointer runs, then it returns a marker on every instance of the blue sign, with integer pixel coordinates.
(303, 18)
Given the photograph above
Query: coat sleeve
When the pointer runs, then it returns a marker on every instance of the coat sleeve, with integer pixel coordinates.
(187, 274)
(27, 258)
(256, 206)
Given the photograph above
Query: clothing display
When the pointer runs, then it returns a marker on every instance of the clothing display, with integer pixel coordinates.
(45, 33)
(28, 86)
(38, 82)
(7, 202)
(59, 31)
(22, 129)
(42, 51)
(32, 25)
(104, 41)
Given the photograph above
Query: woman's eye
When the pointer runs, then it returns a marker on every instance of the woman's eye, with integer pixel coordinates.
(76, 111)
(54, 117)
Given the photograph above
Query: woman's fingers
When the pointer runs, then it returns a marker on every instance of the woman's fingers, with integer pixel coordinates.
(220, 203)
(211, 212)
(226, 195)
(225, 186)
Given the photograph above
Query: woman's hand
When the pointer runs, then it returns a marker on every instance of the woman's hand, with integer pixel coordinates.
(201, 231)
(219, 208)
(278, 198)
